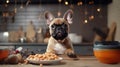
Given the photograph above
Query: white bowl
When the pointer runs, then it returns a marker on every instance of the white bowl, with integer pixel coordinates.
(76, 39)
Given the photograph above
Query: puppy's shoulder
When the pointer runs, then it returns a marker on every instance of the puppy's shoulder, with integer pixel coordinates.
(51, 41)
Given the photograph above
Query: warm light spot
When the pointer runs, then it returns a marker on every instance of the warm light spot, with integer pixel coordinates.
(91, 17)
(86, 21)
(6, 14)
(21, 6)
(7, 1)
(91, 2)
(79, 3)
(6, 34)
(98, 9)
(15, 10)
(59, 1)
(66, 3)
(59, 13)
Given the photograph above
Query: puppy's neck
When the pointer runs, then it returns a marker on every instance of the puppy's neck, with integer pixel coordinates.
(60, 41)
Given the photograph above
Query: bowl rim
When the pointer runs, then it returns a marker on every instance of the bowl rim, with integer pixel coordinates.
(104, 49)
(107, 45)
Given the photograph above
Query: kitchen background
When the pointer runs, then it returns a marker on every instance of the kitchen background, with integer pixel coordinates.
(88, 14)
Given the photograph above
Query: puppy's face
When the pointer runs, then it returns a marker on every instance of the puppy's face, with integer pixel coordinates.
(59, 27)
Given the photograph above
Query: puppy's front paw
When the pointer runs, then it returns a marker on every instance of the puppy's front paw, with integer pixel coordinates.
(70, 53)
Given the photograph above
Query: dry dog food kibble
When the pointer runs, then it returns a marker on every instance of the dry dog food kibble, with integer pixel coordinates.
(45, 56)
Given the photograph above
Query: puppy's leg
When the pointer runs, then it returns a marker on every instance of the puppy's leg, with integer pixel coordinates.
(50, 46)
(69, 51)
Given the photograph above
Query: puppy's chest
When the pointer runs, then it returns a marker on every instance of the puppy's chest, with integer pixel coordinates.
(59, 48)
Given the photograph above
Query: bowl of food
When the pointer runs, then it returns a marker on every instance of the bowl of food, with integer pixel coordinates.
(46, 58)
(3, 54)
(107, 51)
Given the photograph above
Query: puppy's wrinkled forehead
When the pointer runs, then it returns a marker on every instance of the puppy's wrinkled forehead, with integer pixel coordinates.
(58, 21)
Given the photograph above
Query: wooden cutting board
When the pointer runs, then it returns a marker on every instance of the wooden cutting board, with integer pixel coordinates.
(40, 37)
(30, 33)
(20, 32)
(112, 31)
(14, 36)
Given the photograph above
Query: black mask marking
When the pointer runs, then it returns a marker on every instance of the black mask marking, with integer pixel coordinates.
(60, 31)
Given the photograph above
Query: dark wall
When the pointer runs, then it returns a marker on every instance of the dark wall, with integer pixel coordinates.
(35, 13)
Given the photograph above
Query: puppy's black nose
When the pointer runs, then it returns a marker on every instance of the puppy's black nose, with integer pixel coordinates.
(59, 34)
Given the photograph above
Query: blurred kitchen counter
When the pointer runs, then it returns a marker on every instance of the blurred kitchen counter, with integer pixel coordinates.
(82, 48)
(17, 44)
(83, 61)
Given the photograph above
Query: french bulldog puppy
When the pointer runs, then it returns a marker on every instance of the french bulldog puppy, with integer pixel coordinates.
(59, 42)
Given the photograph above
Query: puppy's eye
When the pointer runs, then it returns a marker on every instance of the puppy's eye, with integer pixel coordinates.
(53, 26)
(64, 26)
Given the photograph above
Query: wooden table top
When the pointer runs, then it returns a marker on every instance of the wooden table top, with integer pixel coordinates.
(82, 61)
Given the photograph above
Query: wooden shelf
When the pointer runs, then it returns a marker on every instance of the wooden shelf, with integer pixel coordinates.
(82, 48)
(37, 44)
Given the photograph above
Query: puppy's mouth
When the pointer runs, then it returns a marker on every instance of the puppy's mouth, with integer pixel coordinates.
(60, 35)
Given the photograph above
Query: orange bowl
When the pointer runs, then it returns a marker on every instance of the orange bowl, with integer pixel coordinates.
(3, 53)
(107, 53)
(108, 56)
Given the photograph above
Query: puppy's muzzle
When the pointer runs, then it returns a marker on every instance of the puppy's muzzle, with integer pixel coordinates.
(59, 34)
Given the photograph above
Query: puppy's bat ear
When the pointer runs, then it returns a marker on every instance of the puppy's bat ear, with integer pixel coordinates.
(68, 16)
(49, 17)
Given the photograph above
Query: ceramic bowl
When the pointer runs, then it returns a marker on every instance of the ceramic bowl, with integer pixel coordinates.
(107, 51)
(3, 53)
(75, 39)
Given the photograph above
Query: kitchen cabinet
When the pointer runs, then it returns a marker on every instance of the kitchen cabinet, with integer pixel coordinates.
(81, 49)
